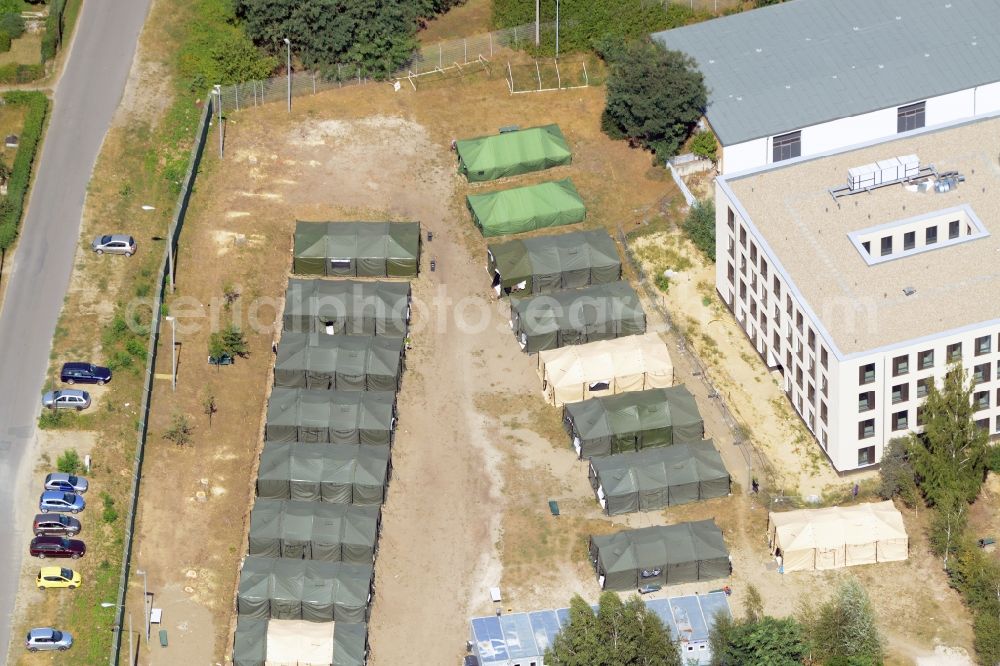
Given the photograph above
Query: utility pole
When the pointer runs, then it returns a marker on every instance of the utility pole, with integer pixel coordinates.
(538, 30)
(288, 70)
(557, 29)
(217, 89)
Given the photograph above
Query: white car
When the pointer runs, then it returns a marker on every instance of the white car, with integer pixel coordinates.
(66, 399)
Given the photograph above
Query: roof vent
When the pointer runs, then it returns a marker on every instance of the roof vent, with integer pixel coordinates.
(909, 291)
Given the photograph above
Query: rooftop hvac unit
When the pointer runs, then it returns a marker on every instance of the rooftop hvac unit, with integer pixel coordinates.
(883, 172)
(861, 177)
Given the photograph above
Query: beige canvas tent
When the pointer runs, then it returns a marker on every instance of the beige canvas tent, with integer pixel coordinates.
(607, 367)
(841, 536)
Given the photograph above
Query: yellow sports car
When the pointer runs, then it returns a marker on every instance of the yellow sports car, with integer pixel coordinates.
(58, 577)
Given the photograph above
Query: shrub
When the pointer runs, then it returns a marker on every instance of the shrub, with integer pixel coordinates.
(20, 177)
(5, 40)
(704, 145)
(69, 462)
(699, 225)
(54, 24)
(135, 347)
(180, 430)
(119, 361)
(12, 25)
(109, 514)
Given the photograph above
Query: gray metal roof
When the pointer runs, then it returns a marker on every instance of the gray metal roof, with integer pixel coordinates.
(799, 63)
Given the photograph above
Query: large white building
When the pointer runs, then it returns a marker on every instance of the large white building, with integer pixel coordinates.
(861, 299)
(807, 77)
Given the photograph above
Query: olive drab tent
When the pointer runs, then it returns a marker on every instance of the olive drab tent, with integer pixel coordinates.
(284, 589)
(607, 367)
(334, 473)
(576, 316)
(314, 530)
(660, 555)
(549, 263)
(657, 478)
(839, 536)
(527, 208)
(512, 153)
(338, 362)
(633, 421)
(357, 249)
(350, 644)
(338, 417)
(250, 642)
(347, 307)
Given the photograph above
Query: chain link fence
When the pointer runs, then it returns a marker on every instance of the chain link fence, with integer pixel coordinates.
(439, 57)
(758, 467)
(710, 6)
(165, 278)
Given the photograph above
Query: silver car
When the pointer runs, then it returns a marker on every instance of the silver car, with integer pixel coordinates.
(114, 244)
(47, 638)
(70, 483)
(57, 501)
(66, 399)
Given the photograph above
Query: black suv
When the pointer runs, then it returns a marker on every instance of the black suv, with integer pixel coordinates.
(85, 373)
(55, 524)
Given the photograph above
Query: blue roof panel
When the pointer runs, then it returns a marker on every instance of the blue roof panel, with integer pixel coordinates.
(490, 641)
(517, 632)
(545, 625)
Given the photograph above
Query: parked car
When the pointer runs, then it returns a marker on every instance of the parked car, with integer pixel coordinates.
(58, 577)
(114, 244)
(85, 373)
(55, 524)
(70, 483)
(56, 501)
(47, 638)
(66, 399)
(51, 546)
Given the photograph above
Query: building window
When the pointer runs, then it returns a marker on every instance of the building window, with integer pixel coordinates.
(923, 386)
(776, 342)
(910, 117)
(920, 416)
(981, 400)
(866, 374)
(753, 253)
(787, 146)
(823, 387)
(743, 236)
(798, 375)
(811, 392)
(731, 273)
(900, 365)
(983, 424)
(900, 393)
(998, 397)
(886, 245)
(954, 352)
(777, 287)
(798, 321)
(901, 420)
(731, 220)
(743, 290)
(983, 345)
(909, 240)
(953, 229)
(925, 360)
(996, 427)
(823, 360)
(866, 401)
(868, 247)
(981, 373)
(866, 429)
(866, 456)
(930, 235)
(822, 411)
(812, 339)
(763, 269)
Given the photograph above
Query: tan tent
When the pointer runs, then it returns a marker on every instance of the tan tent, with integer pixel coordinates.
(607, 367)
(841, 536)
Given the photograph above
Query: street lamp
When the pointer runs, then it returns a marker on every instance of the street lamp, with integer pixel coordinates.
(131, 653)
(537, 22)
(173, 351)
(288, 70)
(557, 29)
(145, 599)
(217, 90)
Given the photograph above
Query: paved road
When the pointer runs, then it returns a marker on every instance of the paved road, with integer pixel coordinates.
(85, 101)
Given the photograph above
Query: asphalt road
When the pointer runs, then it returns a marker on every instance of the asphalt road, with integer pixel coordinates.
(86, 97)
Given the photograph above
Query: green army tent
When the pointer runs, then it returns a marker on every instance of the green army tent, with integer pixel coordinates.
(284, 589)
(632, 421)
(656, 478)
(314, 530)
(576, 316)
(338, 362)
(350, 644)
(334, 473)
(250, 643)
(357, 249)
(338, 417)
(527, 208)
(512, 153)
(549, 263)
(347, 307)
(660, 555)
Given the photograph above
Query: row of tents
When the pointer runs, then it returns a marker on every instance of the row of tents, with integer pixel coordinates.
(290, 642)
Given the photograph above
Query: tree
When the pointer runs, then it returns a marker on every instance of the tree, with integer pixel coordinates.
(654, 97)
(948, 522)
(180, 430)
(896, 475)
(208, 404)
(704, 145)
(699, 225)
(218, 50)
(950, 456)
(625, 634)
(842, 630)
(234, 341)
(757, 638)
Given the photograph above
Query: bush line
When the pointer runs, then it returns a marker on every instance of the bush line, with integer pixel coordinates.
(20, 178)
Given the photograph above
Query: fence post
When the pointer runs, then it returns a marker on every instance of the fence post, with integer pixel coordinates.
(236, 89)
(314, 83)
(440, 57)
(465, 43)
(491, 45)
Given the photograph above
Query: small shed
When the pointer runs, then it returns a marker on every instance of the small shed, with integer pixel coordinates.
(657, 478)
(660, 555)
(522, 209)
(543, 264)
(512, 153)
(576, 316)
(357, 249)
(339, 362)
(347, 307)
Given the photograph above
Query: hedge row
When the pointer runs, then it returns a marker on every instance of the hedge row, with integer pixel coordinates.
(12, 206)
(54, 24)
